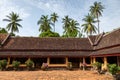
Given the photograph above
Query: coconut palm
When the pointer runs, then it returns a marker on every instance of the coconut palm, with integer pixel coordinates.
(88, 26)
(96, 11)
(13, 24)
(45, 23)
(66, 24)
(54, 18)
(73, 29)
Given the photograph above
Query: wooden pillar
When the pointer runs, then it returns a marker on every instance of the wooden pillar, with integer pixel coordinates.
(118, 60)
(84, 63)
(91, 60)
(66, 60)
(94, 59)
(105, 62)
(84, 60)
(48, 60)
(8, 61)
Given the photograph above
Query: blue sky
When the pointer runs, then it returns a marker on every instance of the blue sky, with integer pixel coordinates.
(31, 10)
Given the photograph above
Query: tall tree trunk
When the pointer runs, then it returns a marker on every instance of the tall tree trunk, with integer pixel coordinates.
(98, 25)
(54, 27)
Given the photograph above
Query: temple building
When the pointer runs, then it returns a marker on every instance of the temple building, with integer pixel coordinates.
(57, 52)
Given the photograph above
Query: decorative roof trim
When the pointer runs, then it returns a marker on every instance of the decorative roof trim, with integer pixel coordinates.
(90, 41)
(97, 40)
(4, 40)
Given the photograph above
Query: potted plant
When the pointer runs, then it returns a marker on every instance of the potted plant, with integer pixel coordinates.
(30, 64)
(114, 69)
(44, 66)
(69, 65)
(3, 64)
(15, 65)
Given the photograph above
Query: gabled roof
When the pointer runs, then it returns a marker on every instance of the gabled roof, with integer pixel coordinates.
(109, 44)
(109, 40)
(95, 39)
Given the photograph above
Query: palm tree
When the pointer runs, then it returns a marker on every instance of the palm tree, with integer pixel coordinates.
(66, 24)
(13, 24)
(54, 17)
(88, 26)
(45, 24)
(96, 11)
(73, 29)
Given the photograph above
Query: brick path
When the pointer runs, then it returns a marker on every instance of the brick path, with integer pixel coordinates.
(52, 75)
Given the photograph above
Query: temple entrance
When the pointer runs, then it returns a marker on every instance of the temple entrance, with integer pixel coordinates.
(75, 62)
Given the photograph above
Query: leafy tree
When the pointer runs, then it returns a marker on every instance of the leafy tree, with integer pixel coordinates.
(3, 30)
(54, 17)
(88, 26)
(49, 34)
(96, 11)
(45, 23)
(13, 24)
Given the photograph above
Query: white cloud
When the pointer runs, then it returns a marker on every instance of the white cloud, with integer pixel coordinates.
(49, 6)
(7, 6)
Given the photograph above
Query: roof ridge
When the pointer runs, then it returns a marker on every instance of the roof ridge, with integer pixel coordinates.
(111, 32)
(90, 41)
(5, 40)
(98, 38)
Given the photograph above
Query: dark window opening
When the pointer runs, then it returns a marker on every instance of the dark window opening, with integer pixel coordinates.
(87, 60)
(100, 59)
(57, 60)
(112, 60)
(75, 62)
(22, 60)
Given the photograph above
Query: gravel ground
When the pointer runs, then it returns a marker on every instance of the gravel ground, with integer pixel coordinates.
(53, 75)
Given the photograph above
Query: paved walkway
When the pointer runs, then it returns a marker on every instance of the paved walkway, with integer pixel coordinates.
(52, 75)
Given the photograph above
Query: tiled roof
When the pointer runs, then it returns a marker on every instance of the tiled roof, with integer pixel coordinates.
(48, 43)
(34, 46)
(110, 39)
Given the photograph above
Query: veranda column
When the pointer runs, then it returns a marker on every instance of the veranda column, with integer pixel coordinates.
(8, 61)
(118, 60)
(48, 60)
(94, 59)
(91, 60)
(105, 62)
(66, 60)
(84, 62)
